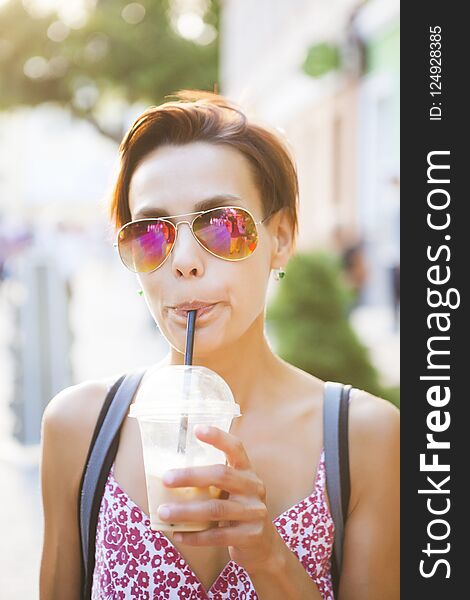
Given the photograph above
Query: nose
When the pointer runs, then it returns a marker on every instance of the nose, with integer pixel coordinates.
(186, 259)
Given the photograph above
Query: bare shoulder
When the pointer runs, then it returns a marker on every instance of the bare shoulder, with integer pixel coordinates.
(77, 407)
(371, 418)
(69, 421)
(374, 441)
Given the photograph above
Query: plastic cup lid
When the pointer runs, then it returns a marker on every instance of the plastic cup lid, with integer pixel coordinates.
(174, 390)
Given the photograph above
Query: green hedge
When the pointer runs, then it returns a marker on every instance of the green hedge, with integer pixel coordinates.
(310, 328)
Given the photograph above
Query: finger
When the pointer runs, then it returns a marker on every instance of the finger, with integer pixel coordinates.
(223, 477)
(239, 536)
(230, 444)
(212, 510)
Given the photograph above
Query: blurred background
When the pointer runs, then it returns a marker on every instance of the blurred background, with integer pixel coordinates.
(74, 74)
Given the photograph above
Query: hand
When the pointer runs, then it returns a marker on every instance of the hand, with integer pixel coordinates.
(251, 537)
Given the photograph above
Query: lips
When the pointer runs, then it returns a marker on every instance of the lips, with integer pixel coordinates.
(194, 305)
(202, 308)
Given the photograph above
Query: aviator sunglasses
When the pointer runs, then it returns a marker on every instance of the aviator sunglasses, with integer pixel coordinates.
(228, 232)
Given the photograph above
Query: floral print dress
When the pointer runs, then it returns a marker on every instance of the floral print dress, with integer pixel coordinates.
(137, 563)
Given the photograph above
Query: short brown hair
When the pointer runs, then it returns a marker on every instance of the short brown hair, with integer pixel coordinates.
(204, 116)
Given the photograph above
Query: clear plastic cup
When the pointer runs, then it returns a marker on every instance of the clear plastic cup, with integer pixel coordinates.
(169, 403)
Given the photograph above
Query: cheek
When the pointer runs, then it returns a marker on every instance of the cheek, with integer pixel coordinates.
(250, 291)
(153, 296)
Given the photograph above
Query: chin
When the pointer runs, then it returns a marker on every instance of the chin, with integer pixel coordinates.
(207, 341)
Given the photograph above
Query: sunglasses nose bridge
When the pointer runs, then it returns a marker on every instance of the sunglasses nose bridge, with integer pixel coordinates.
(184, 221)
(176, 225)
(189, 223)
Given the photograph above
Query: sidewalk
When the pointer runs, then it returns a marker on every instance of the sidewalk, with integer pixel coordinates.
(20, 505)
(20, 522)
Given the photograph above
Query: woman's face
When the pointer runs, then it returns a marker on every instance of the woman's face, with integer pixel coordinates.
(175, 178)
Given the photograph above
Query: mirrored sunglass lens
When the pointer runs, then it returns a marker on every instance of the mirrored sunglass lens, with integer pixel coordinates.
(227, 232)
(144, 245)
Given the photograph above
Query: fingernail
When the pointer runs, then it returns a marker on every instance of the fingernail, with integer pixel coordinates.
(164, 512)
(168, 477)
(204, 429)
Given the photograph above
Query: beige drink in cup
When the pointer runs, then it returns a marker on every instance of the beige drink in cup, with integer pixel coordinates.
(202, 397)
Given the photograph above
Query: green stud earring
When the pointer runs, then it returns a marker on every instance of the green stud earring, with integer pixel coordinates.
(279, 273)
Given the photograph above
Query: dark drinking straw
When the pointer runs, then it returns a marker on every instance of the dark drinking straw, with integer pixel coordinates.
(190, 325)
(188, 360)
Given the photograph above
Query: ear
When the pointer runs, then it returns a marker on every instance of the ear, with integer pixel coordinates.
(282, 238)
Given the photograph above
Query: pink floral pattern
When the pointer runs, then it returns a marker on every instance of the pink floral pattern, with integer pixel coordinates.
(136, 563)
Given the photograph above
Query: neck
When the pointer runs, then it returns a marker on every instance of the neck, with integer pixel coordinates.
(248, 365)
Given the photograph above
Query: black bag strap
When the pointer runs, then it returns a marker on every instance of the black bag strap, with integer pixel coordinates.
(336, 446)
(100, 457)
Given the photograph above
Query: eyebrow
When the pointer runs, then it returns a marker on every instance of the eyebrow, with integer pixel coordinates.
(206, 204)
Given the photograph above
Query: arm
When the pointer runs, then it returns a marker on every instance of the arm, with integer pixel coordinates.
(66, 434)
(370, 567)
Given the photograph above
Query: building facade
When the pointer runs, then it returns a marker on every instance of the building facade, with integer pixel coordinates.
(342, 124)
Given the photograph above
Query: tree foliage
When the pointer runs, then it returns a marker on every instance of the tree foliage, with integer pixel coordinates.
(107, 58)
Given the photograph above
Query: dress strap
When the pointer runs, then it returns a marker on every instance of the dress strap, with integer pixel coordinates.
(101, 455)
(336, 446)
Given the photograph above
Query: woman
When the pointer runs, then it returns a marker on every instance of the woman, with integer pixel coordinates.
(275, 535)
